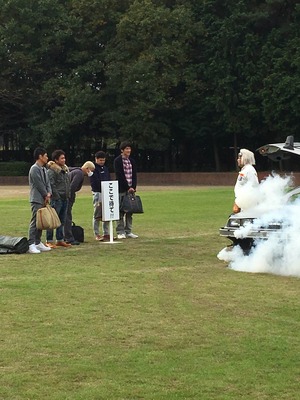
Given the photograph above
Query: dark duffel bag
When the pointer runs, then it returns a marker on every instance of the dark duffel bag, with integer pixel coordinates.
(17, 245)
(132, 203)
(78, 233)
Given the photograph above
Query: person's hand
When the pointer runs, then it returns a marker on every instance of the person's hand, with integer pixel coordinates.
(47, 198)
(236, 209)
(131, 190)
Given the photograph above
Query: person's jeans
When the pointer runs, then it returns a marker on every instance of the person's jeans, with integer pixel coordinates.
(61, 209)
(68, 235)
(96, 223)
(124, 225)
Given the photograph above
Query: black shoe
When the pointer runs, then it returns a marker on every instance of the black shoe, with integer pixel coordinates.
(74, 243)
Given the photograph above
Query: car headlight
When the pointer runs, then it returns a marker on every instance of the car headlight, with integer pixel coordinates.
(238, 222)
(246, 221)
(234, 223)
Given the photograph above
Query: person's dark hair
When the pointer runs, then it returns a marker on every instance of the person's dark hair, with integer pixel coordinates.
(57, 153)
(39, 151)
(100, 154)
(125, 144)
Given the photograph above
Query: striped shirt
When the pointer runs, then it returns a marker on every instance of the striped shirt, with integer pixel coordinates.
(127, 170)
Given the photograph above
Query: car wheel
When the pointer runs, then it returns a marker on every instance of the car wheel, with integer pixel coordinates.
(245, 244)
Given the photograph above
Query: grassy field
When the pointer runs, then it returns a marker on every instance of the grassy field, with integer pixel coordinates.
(158, 317)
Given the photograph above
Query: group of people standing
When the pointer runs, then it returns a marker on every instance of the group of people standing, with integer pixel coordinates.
(54, 183)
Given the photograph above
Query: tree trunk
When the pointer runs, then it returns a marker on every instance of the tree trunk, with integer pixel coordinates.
(216, 154)
(236, 150)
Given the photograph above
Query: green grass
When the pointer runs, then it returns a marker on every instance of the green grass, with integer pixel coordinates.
(159, 317)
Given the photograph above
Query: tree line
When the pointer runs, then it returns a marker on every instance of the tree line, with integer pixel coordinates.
(187, 81)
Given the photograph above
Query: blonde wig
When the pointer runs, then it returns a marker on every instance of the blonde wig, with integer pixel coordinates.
(247, 157)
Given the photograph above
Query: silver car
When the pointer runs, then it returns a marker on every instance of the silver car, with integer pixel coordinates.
(255, 229)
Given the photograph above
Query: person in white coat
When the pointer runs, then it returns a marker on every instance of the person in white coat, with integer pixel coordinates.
(247, 175)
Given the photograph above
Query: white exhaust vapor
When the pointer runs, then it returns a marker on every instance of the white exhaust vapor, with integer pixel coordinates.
(280, 253)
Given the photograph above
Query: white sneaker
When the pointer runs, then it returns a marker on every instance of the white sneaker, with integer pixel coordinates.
(121, 236)
(33, 249)
(42, 247)
(131, 236)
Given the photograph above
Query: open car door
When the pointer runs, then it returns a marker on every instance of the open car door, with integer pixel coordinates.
(280, 151)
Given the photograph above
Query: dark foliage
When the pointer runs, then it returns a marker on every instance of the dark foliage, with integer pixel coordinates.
(189, 82)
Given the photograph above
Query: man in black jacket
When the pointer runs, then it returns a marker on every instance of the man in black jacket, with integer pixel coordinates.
(101, 173)
(76, 175)
(58, 174)
(126, 175)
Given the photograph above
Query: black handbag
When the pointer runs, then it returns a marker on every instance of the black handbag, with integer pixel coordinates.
(132, 203)
(78, 233)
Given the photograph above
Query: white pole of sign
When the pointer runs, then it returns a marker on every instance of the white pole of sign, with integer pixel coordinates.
(111, 232)
(110, 205)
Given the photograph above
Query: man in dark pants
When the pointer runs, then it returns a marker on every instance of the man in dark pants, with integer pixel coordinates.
(40, 194)
(126, 175)
(101, 173)
(76, 176)
(60, 185)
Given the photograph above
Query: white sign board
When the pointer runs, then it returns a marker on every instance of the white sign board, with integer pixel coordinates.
(110, 201)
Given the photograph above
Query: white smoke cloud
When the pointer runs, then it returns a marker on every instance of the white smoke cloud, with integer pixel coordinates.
(280, 254)
(244, 231)
(266, 196)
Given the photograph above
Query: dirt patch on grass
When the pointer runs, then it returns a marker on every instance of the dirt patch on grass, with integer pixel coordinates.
(9, 192)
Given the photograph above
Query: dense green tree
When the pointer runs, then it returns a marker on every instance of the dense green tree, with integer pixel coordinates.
(280, 62)
(235, 68)
(73, 97)
(51, 51)
(151, 73)
(32, 51)
(191, 78)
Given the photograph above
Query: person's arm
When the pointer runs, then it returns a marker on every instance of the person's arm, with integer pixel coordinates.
(108, 174)
(251, 176)
(235, 208)
(95, 182)
(52, 179)
(134, 174)
(48, 187)
(76, 180)
(38, 182)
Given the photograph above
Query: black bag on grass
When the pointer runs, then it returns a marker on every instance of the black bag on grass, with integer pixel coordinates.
(10, 245)
(78, 233)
